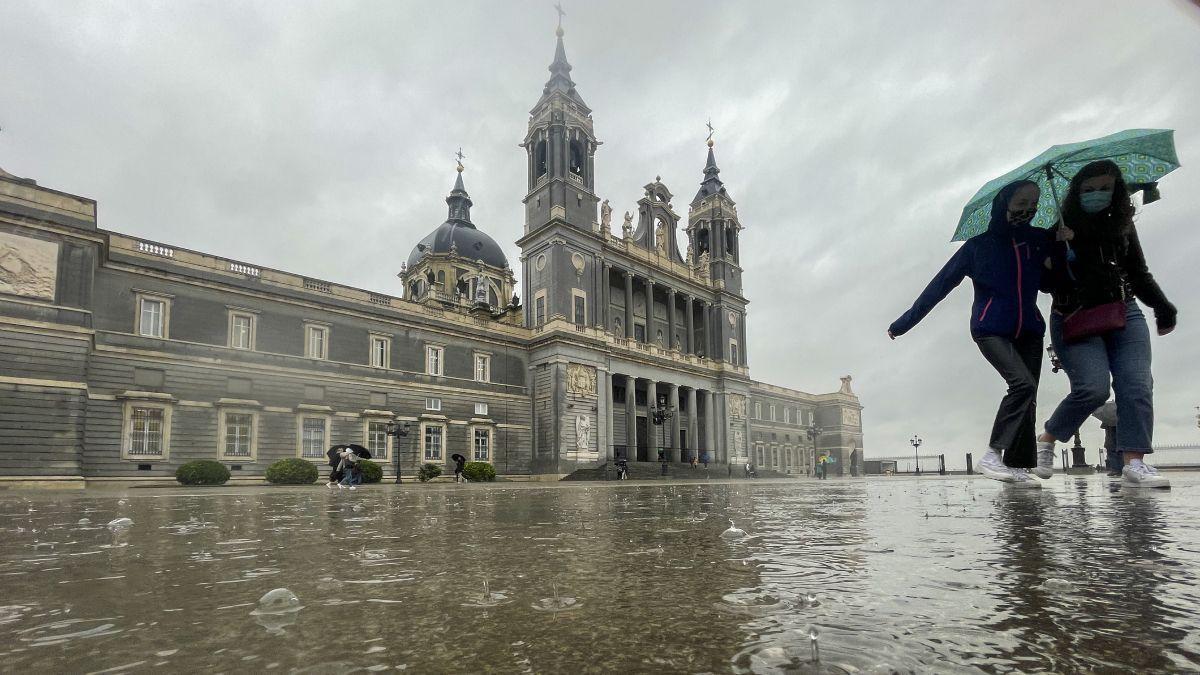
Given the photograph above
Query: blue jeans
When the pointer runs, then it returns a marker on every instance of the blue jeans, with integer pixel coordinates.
(1124, 353)
(352, 478)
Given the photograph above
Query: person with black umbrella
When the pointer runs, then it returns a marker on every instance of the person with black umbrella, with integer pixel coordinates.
(459, 464)
(344, 461)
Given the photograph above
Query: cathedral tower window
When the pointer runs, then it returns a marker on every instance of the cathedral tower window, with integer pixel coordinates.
(539, 159)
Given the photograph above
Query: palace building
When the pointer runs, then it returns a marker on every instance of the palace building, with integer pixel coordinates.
(122, 358)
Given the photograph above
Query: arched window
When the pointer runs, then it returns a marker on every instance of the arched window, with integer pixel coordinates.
(730, 240)
(702, 244)
(539, 159)
(578, 158)
(441, 279)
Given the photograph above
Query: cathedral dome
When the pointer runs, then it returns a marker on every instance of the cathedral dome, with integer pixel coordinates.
(459, 235)
(467, 241)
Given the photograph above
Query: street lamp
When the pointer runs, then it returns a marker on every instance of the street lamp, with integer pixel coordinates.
(394, 428)
(916, 443)
(813, 432)
(659, 414)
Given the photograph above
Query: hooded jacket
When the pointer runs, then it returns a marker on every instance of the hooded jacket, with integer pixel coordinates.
(1005, 265)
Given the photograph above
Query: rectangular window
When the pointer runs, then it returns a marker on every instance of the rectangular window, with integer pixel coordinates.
(483, 445)
(483, 368)
(434, 404)
(539, 310)
(481, 409)
(152, 315)
(757, 410)
(434, 436)
(433, 360)
(639, 332)
(733, 353)
(772, 412)
(381, 348)
(313, 432)
(316, 342)
(146, 431)
(579, 307)
(787, 415)
(239, 434)
(377, 438)
(241, 330)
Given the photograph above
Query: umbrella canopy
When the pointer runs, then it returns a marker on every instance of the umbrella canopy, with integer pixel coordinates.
(359, 450)
(458, 458)
(1143, 155)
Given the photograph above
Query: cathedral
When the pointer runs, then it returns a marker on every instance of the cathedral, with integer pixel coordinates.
(122, 358)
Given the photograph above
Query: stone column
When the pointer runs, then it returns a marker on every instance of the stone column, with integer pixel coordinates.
(649, 311)
(691, 329)
(630, 418)
(628, 304)
(693, 425)
(652, 431)
(706, 317)
(605, 304)
(710, 427)
(670, 318)
(673, 424)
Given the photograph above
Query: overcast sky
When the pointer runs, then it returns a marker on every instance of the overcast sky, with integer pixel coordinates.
(318, 138)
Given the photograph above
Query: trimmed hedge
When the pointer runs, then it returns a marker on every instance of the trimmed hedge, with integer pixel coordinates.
(428, 472)
(372, 472)
(202, 472)
(292, 471)
(479, 471)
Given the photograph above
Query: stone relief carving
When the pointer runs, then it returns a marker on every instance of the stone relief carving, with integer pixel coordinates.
(737, 406)
(578, 262)
(581, 379)
(583, 433)
(739, 443)
(28, 267)
(850, 417)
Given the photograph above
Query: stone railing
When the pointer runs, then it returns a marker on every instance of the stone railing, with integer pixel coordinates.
(658, 260)
(619, 344)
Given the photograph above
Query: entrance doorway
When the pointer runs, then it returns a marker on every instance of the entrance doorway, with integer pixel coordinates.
(685, 452)
(642, 448)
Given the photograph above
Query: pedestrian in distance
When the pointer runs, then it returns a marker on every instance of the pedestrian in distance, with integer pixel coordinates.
(460, 464)
(352, 475)
(1005, 265)
(1098, 273)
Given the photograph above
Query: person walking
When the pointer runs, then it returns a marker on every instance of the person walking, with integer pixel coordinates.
(1098, 273)
(460, 463)
(1005, 265)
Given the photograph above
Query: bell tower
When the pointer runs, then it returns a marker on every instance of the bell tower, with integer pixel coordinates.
(560, 145)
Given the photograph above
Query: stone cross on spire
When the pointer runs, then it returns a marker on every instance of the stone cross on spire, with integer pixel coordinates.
(708, 124)
(460, 157)
(558, 8)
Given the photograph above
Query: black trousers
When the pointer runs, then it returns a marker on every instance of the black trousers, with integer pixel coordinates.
(1019, 362)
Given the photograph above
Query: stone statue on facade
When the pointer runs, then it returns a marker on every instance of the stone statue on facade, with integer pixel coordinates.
(702, 265)
(660, 238)
(481, 289)
(583, 433)
(846, 386)
(690, 261)
(605, 215)
(627, 226)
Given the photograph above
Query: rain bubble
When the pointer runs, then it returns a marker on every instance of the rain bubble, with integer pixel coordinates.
(84, 521)
(276, 609)
(118, 524)
(1057, 585)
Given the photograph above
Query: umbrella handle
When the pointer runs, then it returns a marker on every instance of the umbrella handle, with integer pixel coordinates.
(1059, 208)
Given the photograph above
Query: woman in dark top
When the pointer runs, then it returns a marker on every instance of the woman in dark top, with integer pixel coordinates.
(1005, 265)
(1100, 261)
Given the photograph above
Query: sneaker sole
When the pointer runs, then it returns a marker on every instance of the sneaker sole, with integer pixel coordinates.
(1153, 483)
(1025, 485)
(1043, 473)
(1001, 476)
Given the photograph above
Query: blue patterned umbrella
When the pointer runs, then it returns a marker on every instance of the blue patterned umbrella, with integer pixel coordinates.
(1143, 155)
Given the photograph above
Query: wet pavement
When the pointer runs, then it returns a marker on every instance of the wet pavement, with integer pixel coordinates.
(879, 575)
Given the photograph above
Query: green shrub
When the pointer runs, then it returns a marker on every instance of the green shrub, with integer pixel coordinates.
(479, 471)
(202, 472)
(292, 471)
(428, 472)
(372, 472)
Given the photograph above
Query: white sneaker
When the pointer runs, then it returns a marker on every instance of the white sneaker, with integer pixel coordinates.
(1022, 479)
(1045, 459)
(1140, 474)
(992, 466)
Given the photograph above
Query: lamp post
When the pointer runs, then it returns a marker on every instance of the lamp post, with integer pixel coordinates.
(398, 431)
(915, 441)
(813, 432)
(659, 414)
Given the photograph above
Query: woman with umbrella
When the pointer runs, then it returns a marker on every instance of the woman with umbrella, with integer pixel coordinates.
(459, 464)
(1005, 264)
(344, 460)
(1096, 325)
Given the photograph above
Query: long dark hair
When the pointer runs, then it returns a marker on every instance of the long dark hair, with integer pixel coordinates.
(1113, 223)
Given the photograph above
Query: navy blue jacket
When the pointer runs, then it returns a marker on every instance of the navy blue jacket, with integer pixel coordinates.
(1005, 265)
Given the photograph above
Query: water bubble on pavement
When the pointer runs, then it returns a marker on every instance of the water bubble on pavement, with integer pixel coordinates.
(118, 524)
(277, 609)
(733, 532)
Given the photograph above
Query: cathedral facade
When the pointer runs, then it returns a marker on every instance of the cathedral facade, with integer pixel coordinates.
(122, 358)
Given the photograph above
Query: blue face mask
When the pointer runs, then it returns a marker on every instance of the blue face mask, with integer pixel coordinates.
(1095, 202)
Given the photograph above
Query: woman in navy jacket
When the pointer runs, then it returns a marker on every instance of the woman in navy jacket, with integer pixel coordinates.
(1005, 265)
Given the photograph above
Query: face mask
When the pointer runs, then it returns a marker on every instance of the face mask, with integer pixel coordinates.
(1095, 202)
(1021, 218)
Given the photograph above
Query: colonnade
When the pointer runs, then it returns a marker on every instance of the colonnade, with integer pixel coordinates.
(693, 307)
(689, 432)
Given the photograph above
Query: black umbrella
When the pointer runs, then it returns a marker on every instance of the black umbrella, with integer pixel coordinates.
(359, 450)
(458, 458)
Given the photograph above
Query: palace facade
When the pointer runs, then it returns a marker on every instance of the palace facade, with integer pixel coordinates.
(122, 358)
